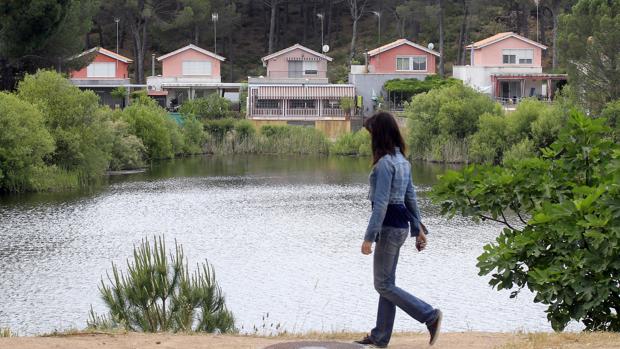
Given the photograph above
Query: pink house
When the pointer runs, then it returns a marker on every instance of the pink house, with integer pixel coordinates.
(296, 90)
(187, 73)
(401, 59)
(508, 67)
(105, 71)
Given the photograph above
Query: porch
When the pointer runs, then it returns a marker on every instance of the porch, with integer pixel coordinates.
(510, 89)
(298, 102)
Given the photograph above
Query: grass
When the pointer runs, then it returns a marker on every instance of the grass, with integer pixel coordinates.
(6, 332)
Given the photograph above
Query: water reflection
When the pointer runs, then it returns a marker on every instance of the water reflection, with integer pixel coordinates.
(282, 232)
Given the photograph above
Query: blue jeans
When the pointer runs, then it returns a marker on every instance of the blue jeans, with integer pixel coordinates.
(385, 259)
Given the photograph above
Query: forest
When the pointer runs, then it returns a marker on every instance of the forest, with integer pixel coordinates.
(46, 33)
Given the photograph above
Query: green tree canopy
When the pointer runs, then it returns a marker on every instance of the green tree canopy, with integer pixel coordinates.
(590, 42)
(562, 216)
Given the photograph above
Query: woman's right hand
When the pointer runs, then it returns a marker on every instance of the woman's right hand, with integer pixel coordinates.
(420, 240)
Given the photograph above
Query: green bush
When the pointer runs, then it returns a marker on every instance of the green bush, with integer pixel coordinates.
(562, 221)
(357, 143)
(81, 131)
(211, 107)
(489, 142)
(194, 135)
(152, 125)
(244, 130)
(157, 293)
(24, 144)
(219, 129)
(520, 151)
(611, 112)
(292, 140)
(412, 87)
(450, 114)
(128, 151)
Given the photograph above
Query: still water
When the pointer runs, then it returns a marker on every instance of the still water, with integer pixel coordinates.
(283, 234)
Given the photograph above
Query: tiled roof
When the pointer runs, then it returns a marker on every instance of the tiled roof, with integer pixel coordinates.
(296, 46)
(192, 47)
(400, 42)
(501, 36)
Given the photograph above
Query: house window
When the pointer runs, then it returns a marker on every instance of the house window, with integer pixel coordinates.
(302, 104)
(310, 67)
(196, 68)
(413, 63)
(101, 70)
(331, 104)
(295, 69)
(520, 56)
(510, 59)
(267, 104)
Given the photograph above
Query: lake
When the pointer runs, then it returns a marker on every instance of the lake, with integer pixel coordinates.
(283, 233)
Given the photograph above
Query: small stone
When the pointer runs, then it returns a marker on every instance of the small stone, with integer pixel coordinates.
(158, 342)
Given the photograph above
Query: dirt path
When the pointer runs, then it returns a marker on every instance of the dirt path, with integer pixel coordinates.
(466, 340)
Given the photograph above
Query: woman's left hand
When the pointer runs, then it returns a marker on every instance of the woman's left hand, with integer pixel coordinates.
(367, 247)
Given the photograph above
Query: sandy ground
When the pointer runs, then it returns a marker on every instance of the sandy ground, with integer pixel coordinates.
(466, 340)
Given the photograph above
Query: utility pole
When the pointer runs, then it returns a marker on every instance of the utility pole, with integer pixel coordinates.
(116, 19)
(378, 14)
(321, 16)
(214, 18)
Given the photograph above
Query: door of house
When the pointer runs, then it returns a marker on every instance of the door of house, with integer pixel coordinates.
(511, 90)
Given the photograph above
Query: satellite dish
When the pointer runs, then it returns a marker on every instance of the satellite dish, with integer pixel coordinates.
(431, 46)
(325, 48)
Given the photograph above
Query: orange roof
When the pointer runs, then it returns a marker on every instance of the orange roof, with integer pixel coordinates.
(397, 43)
(501, 36)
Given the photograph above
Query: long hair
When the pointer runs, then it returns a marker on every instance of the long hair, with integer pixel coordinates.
(385, 135)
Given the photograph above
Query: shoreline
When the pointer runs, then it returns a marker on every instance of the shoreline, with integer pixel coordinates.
(448, 340)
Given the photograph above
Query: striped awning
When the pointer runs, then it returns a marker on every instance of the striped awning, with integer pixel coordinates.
(297, 58)
(306, 92)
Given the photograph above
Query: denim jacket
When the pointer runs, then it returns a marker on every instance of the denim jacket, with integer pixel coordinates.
(391, 183)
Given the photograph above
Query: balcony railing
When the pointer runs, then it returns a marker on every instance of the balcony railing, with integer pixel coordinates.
(303, 113)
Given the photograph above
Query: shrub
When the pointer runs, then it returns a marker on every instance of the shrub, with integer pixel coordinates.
(194, 136)
(24, 143)
(151, 124)
(525, 149)
(561, 240)
(412, 87)
(218, 129)
(73, 117)
(211, 107)
(244, 130)
(489, 142)
(611, 112)
(292, 140)
(449, 114)
(357, 143)
(128, 151)
(347, 104)
(158, 293)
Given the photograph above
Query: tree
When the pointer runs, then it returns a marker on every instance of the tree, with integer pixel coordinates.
(440, 4)
(356, 9)
(590, 42)
(24, 144)
(561, 214)
(40, 34)
(81, 130)
(158, 293)
(273, 6)
(193, 16)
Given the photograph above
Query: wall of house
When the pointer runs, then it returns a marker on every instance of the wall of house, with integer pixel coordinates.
(333, 128)
(492, 55)
(173, 65)
(479, 77)
(277, 67)
(121, 68)
(385, 62)
(365, 84)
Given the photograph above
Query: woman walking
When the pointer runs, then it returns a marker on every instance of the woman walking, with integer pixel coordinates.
(394, 213)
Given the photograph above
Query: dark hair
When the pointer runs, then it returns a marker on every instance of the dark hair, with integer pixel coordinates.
(385, 135)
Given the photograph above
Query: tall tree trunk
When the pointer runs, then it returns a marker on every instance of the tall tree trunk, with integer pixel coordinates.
(353, 37)
(272, 24)
(555, 17)
(441, 39)
(463, 33)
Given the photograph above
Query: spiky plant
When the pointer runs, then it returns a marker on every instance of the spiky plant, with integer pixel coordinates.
(160, 294)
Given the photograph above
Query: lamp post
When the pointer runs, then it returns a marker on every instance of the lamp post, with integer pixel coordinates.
(378, 14)
(322, 17)
(116, 19)
(214, 18)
